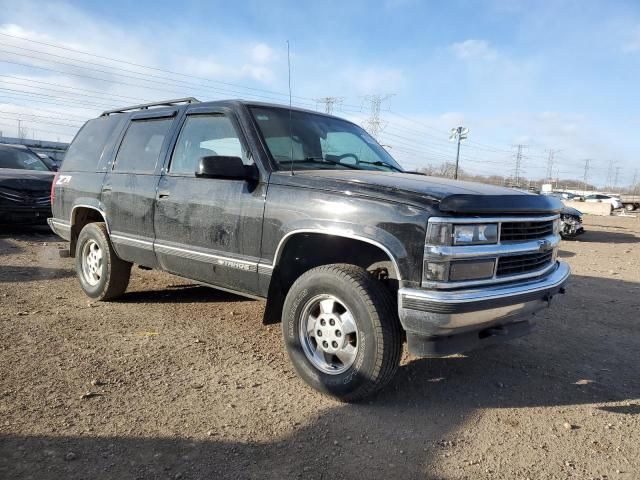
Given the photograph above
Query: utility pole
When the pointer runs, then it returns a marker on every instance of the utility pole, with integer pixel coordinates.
(20, 130)
(615, 182)
(586, 174)
(374, 124)
(458, 134)
(329, 103)
(634, 183)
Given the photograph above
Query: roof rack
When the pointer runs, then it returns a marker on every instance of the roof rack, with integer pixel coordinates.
(145, 106)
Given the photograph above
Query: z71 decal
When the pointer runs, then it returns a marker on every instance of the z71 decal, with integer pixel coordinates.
(64, 180)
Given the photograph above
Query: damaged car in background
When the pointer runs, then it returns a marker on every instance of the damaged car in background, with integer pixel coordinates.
(570, 223)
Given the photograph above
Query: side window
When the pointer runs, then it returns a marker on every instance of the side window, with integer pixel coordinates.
(84, 153)
(203, 136)
(141, 145)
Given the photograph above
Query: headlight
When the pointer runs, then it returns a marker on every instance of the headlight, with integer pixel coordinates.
(459, 234)
(475, 234)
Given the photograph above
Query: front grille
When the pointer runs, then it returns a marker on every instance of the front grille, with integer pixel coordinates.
(38, 198)
(518, 264)
(513, 231)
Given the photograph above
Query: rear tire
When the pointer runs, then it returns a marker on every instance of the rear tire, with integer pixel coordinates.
(102, 275)
(341, 331)
(629, 207)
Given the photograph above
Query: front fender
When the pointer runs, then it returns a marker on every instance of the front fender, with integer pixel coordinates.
(397, 229)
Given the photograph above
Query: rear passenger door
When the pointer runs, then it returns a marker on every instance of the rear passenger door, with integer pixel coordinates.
(129, 190)
(209, 229)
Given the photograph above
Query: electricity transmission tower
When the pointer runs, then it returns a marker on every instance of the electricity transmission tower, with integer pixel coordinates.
(373, 124)
(329, 103)
(518, 165)
(634, 183)
(550, 165)
(615, 181)
(586, 174)
(610, 175)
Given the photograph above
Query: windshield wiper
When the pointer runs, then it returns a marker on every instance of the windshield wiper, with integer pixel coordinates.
(378, 163)
(324, 160)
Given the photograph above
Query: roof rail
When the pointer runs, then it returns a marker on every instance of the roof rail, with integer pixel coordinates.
(145, 106)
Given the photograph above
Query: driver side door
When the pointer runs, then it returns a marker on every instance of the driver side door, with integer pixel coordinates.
(209, 229)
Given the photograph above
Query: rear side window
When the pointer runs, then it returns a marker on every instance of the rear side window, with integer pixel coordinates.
(141, 146)
(87, 148)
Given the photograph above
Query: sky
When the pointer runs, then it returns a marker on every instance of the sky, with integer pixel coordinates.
(553, 76)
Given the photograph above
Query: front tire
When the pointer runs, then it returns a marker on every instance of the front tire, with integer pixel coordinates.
(341, 331)
(102, 275)
(629, 207)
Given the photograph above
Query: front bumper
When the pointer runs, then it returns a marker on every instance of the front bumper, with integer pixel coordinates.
(24, 214)
(430, 314)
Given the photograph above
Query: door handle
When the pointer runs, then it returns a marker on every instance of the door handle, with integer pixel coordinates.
(163, 193)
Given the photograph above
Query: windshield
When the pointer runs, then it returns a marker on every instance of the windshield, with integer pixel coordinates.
(319, 142)
(21, 160)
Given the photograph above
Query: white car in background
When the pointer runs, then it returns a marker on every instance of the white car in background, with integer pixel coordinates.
(599, 198)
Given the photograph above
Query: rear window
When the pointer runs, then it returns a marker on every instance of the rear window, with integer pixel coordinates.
(87, 148)
(141, 145)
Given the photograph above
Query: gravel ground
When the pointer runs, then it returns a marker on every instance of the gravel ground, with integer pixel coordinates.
(177, 381)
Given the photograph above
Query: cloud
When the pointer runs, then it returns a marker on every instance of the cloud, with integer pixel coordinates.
(262, 53)
(365, 80)
(474, 50)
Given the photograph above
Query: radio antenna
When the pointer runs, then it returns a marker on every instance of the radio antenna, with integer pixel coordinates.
(290, 121)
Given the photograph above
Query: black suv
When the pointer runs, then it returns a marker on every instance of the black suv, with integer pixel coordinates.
(309, 212)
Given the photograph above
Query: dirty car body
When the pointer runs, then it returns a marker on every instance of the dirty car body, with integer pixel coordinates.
(463, 264)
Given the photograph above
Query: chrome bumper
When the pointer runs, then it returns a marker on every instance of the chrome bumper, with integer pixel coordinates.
(435, 313)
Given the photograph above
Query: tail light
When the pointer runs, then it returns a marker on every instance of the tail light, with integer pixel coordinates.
(53, 187)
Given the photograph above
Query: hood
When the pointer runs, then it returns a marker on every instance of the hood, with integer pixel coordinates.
(451, 196)
(26, 180)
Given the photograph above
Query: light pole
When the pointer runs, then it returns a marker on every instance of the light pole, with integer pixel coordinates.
(459, 133)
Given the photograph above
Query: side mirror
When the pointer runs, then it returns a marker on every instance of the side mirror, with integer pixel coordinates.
(220, 166)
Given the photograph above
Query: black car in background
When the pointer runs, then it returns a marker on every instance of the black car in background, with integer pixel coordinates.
(25, 186)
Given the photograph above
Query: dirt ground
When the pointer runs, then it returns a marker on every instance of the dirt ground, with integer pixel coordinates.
(177, 381)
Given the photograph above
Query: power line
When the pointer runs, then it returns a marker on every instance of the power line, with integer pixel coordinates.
(112, 59)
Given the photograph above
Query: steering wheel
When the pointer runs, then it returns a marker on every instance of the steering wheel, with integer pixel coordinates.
(346, 155)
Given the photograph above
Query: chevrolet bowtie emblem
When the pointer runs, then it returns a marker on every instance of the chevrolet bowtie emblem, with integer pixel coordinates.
(544, 245)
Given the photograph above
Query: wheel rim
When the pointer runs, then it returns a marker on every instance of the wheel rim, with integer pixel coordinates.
(329, 334)
(92, 262)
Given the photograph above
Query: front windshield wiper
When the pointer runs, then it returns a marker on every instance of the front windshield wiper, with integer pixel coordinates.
(378, 163)
(324, 160)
